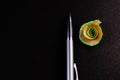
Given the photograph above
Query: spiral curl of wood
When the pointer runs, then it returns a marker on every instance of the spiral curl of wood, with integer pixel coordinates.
(91, 33)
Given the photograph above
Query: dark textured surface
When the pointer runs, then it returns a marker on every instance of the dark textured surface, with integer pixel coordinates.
(101, 62)
(49, 23)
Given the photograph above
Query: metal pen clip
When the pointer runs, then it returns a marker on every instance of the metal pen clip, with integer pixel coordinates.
(76, 71)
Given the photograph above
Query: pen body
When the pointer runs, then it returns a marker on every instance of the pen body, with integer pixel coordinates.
(70, 71)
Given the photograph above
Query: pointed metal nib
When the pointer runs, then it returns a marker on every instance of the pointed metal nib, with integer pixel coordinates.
(69, 27)
(70, 19)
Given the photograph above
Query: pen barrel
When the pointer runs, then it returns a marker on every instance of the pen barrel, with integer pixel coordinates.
(70, 70)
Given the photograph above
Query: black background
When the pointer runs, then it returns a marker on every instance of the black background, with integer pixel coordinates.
(49, 22)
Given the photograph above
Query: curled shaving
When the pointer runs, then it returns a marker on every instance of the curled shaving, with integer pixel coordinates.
(91, 33)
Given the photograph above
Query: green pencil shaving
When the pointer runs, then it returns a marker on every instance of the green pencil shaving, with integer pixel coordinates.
(91, 33)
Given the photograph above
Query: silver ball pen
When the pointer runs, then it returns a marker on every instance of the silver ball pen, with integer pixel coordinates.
(71, 66)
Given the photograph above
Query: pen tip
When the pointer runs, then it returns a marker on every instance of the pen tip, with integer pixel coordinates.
(70, 17)
(69, 28)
